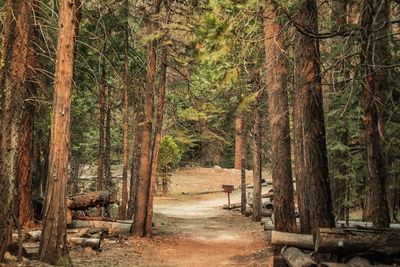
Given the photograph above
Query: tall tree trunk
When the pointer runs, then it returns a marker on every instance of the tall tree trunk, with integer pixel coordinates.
(122, 209)
(238, 141)
(26, 142)
(243, 198)
(159, 125)
(257, 205)
(310, 147)
(340, 76)
(276, 70)
(137, 133)
(107, 150)
(377, 208)
(14, 87)
(158, 135)
(145, 151)
(53, 240)
(102, 107)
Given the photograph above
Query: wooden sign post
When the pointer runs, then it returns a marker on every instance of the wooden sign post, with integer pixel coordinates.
(228, 189)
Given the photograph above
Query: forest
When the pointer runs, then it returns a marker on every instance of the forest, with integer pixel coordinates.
(104, 105)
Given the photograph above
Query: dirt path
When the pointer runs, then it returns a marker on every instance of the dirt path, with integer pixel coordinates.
(210, 236)
(190, 232)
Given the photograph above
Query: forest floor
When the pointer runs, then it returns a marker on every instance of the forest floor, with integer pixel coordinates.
(191, 230)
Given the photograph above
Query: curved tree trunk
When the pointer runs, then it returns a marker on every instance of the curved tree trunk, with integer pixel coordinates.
(53, 240)
(284, 211)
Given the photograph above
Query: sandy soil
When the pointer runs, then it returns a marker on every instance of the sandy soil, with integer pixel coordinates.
(191, 230)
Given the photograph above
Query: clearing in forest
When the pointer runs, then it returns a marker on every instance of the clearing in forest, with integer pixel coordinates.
(192, 230)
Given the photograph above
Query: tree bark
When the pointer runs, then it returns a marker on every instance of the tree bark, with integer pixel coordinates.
(243, 197)
(25, 214)
(238, 141)
(285, 219)
(15, 60)
(145, 151)
(340, 79)
(159, 125)
(256, 216)
(107, 149)
(137, 132)
(124, 201)
(53, 241)
(310, 143)
(376, 208)
(102, 108)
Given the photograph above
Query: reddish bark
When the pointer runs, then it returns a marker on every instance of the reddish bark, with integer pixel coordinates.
(158, 133)
(257, 205)
(377, 208)
(145, 151)
(315, 204)
(284, 210)
(53, 241)
(238, 142)
(124, 201)
(14, 84)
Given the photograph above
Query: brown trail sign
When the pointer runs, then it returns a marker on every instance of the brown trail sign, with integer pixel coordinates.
(228, 189)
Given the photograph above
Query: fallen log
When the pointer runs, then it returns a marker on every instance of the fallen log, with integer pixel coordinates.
(84, 242)
(295, 258)
(31, 248)
(264, 213)
(112, 227)
(91, 199)
(292, 240)
(87, 232)
(268, 195)
(94, 218)
(342, 224)
(33, 235)
(232, 206)
(353, 240)
(353, 262)
(203, 192)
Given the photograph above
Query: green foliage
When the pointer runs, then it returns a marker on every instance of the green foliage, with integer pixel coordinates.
(169, 155)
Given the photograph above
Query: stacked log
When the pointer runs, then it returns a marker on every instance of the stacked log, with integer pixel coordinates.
(91, 199)
(113, 228)
(296, 258)
(380, 245)
(354, 240)
(86, 237)
(292, 240)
